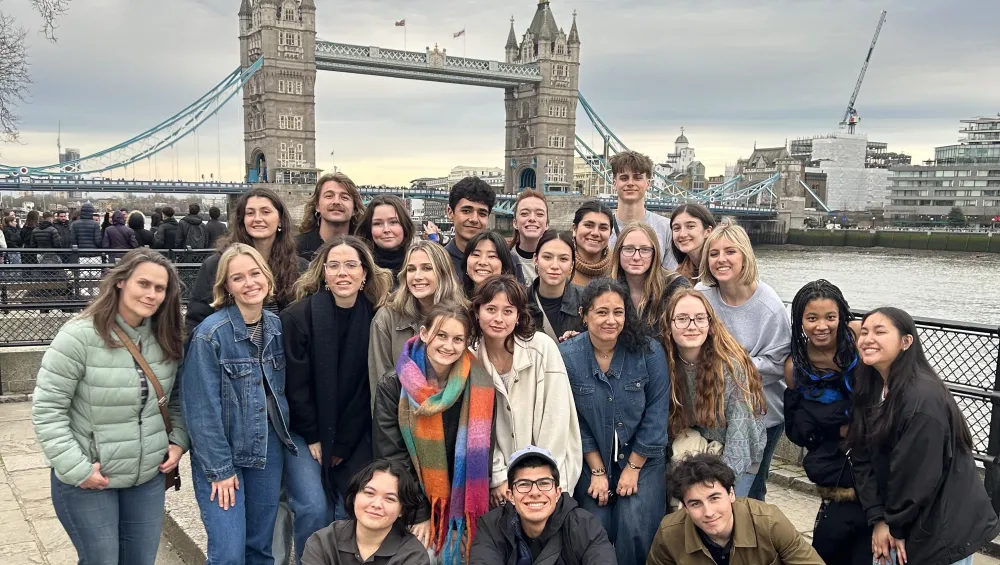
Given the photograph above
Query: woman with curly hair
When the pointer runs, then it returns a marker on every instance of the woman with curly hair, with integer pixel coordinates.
(715, 389)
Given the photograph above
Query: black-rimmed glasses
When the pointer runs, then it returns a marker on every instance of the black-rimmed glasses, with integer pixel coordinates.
(683, 321)
(523, 486)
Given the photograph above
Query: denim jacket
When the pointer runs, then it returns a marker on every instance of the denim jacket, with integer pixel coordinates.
(223, 397)
(632, 399)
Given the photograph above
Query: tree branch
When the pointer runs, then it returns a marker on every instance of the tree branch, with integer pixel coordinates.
(50, 10)
(14, 76)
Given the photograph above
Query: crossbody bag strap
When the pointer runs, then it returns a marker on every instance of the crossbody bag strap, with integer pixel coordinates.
(161, 400)
(546, 324)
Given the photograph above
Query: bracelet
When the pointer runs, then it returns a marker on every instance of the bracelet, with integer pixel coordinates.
(598, 472)
(633, 466)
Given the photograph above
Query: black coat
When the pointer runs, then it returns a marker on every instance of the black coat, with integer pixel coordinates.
(309, 242)
(570, 319)
(45, 236)
(214, 229)
(166, 236)
(144, 237)
(572, 536)
(85, 234)
(13, 236)
(925, 489)
(816, 427)
(64, 234)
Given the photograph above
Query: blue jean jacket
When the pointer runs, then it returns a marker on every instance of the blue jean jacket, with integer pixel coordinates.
(223, 397)
(632, 398)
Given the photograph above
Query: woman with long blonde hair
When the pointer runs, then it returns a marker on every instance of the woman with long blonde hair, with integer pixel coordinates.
(714, 387)
(636, 263)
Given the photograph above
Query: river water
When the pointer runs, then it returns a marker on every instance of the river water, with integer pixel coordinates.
(933, 284)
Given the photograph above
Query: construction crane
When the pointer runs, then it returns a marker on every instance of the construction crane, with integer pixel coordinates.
(851, 117)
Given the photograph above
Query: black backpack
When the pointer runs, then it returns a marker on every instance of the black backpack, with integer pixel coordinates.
(195, 237)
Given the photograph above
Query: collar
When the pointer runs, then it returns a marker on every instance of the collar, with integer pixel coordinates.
(744, 534)
(403, 323)
(347, 539)
(570, 297)
(453, 250)
(617, 360)
(521, 359)
(272, 325)
(135, 334)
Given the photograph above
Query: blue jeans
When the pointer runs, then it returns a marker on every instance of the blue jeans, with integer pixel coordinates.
(631, 521)
(242, 535)
(893, 559)
(111, 526)
(743, 484)
(304, 488)
(759, 489)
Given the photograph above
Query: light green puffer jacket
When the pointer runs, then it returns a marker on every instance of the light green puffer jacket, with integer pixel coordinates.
(86, 406)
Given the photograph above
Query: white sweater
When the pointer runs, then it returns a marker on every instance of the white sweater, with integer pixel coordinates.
(538, 409)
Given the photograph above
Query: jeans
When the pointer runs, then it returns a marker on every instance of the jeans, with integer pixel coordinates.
(743, 484)
(759, 489)
(304, 487)
(841, 533)
(111, 526)
(242, 535)
(631, 521)
(893, 559)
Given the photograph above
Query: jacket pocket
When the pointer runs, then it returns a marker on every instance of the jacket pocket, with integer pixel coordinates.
(236, 395)
(635, 391)
(278, 373)
(583, 395)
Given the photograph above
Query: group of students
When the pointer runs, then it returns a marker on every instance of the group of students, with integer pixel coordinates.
(381, 398)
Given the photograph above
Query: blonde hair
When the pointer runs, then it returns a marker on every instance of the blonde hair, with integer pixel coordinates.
(657, 279)
(402, 300)
(741, 241)
(378, 281)
(220, 295)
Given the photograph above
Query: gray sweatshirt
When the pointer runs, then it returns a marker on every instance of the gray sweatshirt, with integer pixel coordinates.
(762, 326)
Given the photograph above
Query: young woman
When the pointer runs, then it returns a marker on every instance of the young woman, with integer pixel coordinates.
(911, 452)
(388, 230)
(534, 402)
(690, 224)
(137, 221)
(635, 263)
(531, 219)
(381, 502)
(30, 225)
(262, 222)
(486, 255)
(553, 301)
(715, 389)
(618, 373)
(325, 332)
(97, 417)
(756, 317)
(435, 416)
(233, 370)
(427, 279)
(591, 232)
(820, 377)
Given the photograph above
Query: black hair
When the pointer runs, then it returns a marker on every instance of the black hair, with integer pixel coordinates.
(698, 469)
(156, 219)
(407, 489)
(136, 221)
(553, 235)
(507, 284)
(873, 420)
(194, 209)
(532, 462)
(364, 229)
(635, 333)
(847, 347)
(214, 212)
(594, 206)
(473, 189)
(168, 211)
(503, 253)
(697, 211)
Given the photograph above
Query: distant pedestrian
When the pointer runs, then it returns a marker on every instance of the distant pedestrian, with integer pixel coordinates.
(118, 235)
(30, 224)
(191, 230)
(137, 222)
(61, 223)
(46, 237)
(11, 233)
(155, 220)
(108, 464)
(166, 233)
(106, 222)
(214, 227)
(85, 233)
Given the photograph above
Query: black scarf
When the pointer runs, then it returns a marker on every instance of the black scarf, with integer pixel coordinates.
(340, 376)
(391, 259)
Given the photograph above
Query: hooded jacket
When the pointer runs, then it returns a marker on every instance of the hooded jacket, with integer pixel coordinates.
(85, 233)
(572, 536)
(182, 230)
(45, 236)
(166, 234)
(118, 235)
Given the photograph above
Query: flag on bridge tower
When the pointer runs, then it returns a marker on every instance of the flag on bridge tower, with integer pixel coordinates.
(401, 23)
(458, 34)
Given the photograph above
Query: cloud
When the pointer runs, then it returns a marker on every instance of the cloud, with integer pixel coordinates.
(731, 72)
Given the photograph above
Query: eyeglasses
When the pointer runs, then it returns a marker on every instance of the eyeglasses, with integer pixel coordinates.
(523, 486)
(334, 266)
(644, 252)
(683, 321)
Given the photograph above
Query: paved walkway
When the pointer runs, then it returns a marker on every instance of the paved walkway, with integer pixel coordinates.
(31, 533)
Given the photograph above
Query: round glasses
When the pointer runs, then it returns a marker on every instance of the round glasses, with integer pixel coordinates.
(683, 321)
(523, 486)
(644, 252)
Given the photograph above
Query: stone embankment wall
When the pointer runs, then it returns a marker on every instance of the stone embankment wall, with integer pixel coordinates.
(929, 240)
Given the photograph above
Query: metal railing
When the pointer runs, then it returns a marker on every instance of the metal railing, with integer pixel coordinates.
(72, 255)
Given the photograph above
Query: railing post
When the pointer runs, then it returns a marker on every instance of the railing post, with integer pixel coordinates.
(992, 481)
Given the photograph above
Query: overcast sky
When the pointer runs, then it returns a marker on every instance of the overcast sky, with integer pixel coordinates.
(731, 72)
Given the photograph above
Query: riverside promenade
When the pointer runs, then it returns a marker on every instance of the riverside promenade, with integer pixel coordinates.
(31, 533)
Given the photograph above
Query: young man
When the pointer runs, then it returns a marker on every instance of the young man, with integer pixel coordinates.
(61, 223)
(191, 230)
(166, 234)
(714, 527)
(335, 208)
(85, 232)
(214, 227)
(469, 206)
(539, 523)
(633, 174)
(531, 219)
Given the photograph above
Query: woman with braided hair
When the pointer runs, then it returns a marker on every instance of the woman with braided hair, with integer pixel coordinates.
(820, 377)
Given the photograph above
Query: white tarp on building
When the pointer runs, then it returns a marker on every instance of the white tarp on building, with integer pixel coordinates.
(849, 185)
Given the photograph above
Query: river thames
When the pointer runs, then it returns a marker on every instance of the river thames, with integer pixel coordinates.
(949, 285)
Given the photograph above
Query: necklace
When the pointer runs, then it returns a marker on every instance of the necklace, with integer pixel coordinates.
(602, 354)
(686, 362)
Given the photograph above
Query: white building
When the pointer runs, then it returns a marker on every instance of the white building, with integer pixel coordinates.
(492, 175)
(677, 162)
(850, 186)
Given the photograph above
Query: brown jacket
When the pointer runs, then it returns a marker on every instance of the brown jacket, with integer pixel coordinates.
(390, 332)
(762, 535)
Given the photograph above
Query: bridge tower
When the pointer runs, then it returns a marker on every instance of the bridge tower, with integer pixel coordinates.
(279, 108)
(541, 118)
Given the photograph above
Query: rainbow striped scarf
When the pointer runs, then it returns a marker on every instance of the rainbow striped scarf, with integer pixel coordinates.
(455, 507)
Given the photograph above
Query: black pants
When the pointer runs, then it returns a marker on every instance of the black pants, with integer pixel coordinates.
(841, 534)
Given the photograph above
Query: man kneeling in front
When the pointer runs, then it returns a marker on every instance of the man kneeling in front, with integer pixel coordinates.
(715, 527)
(539, 523)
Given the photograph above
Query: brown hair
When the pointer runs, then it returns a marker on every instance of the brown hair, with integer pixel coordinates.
(220, 295)
(364, 229)
(488, 289)
(696, 211)
(448, 311)
(631, 161)
(310, 217)
(526, 194)
(657, 279)
(166, 322)
(377, 284)
(720, 355)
